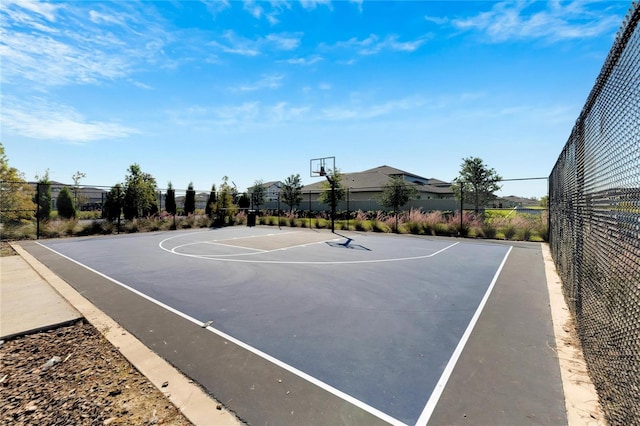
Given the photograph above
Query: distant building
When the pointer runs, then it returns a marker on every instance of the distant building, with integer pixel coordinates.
(87, 198)
(365, 188)
(272, 190)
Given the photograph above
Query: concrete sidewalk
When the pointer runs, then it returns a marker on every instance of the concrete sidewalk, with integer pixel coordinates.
(27, 302)
(33, 299)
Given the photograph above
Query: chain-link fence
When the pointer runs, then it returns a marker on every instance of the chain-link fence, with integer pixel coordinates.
(595, 226)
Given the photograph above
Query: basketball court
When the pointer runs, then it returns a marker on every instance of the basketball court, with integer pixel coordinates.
(377, 321)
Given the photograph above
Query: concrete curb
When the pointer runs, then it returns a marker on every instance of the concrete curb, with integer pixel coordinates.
(581, 398)
(197, 406)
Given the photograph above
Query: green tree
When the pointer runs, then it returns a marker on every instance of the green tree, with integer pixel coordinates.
(66, 204)
(16, 195)
(334, 180)
(544, 202)
(43, 196)
(170, 203)
(225, 209)
(476, 182)
(140, 194)
(211, 201)
(112, 207)
(190, 200)
(395, 194)
(332, 192)
(76, 177)
(292, 191)
(257, 192)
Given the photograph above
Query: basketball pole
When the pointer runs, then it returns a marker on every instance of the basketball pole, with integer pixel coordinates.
(333, 202)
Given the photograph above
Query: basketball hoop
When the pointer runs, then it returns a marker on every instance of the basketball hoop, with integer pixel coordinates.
(322, 167)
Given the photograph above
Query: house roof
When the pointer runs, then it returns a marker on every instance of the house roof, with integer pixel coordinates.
(374, 179)
(267, 185)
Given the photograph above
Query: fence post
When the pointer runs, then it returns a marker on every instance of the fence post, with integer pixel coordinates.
(119, 208)
(309, 209)
(461, 208)
(37, 210)
(348, 213)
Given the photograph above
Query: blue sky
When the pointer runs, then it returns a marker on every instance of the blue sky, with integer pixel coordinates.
(197, 90)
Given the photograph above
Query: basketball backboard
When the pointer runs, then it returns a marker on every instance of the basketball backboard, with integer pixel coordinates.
(319, 167)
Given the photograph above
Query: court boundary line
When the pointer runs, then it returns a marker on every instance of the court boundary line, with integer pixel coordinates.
(225, 257)
(313, 380)
(427, 412)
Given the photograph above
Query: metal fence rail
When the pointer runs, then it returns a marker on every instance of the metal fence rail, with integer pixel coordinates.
(594, 199)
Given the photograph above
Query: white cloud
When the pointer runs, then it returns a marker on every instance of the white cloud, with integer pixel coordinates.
(284, 41)
(103, 18)
(46, 10)
(312, 4)
(272, 81)
(557, 21)
(360, 112)
(373, 44)
(305, 61)
(254, 9)
(47, 61)
(41, 119)
(216, 6)
(436, 20)
(358, 4)
(238, 45)
(87, 46)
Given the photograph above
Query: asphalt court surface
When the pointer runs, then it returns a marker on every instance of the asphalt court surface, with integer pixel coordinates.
(376, 318)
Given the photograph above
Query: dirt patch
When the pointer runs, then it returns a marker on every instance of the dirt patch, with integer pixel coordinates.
(73, 375)
(6, 249)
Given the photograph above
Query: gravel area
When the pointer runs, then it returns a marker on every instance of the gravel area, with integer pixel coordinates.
(73, 376)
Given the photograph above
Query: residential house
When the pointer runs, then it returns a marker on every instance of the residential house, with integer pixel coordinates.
(363, 191)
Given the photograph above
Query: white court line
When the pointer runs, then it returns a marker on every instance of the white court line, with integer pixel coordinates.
(221, 258)
(346, 397)
(215, 243)
(444, 378)
(257, 251)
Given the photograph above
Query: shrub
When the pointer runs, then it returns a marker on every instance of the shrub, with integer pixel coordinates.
(108, 227)
(542, 226)
(89, 215)
(432, 223)
(469, 221)
(377, 226)
(488, 230)
(19, 230)
(131, 226)
(66, 205)
(321, 223)
(241, 218)
(414, 227)
(54, 228)
(203, 221)
(96, 227)
(441, 229)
